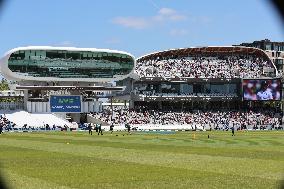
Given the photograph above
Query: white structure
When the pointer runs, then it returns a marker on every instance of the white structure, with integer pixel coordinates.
(39, 71)
(45, 63)
(20, 118)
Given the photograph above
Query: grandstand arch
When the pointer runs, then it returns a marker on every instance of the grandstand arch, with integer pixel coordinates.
(213, 50)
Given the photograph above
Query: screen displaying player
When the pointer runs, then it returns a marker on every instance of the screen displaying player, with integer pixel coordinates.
(261, 89)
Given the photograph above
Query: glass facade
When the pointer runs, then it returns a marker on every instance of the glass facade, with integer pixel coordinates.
(268, 47)
(207, 88)
(186, 88)
(223, 88)
(70, 64)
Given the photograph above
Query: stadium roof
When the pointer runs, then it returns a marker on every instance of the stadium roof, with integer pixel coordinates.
(65, 49)
(204, 50)
(93, 88)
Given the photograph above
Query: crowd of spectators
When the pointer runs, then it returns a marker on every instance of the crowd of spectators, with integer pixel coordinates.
(203, 67)
(214, 119)
(6, 124)
(155, 94)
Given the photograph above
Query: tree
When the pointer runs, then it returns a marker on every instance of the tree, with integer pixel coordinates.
(4, 85)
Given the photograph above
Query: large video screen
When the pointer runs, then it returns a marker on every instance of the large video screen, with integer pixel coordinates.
(262, 90)
(66, 104)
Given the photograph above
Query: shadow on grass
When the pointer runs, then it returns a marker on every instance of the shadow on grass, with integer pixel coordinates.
(281, 184)
(3, 184)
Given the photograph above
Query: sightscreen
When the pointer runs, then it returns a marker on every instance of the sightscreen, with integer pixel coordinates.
(65, 104)
(262, 90)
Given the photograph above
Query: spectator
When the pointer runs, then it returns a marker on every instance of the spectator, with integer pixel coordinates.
(204, 67)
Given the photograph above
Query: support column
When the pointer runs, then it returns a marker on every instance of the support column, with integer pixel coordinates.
(111, 108)
(227, 89)
(26, 97)
(132, 82)
(131, 104)
(160, 105)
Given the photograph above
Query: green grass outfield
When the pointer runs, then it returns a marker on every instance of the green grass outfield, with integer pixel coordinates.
(252, 159)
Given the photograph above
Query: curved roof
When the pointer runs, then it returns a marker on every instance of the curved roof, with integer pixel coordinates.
(65, 49)
(208, 50)
(7, 73)
(204, 50)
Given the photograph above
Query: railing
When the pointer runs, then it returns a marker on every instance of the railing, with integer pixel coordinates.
(11, 105)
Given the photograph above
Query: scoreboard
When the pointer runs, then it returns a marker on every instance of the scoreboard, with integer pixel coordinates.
(67, 104)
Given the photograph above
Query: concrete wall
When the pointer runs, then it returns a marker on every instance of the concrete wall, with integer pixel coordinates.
(91, 119)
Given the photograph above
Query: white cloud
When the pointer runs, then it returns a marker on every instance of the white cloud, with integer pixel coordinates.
(64, 44)
(167, 14)
(178, 32)
(167, 11)
(131, 22)
(163, 15)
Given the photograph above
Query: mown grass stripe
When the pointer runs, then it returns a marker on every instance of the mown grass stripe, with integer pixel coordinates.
(15, 180)
(226, 151)
(91, 172)
(242, 166)
(174, 141)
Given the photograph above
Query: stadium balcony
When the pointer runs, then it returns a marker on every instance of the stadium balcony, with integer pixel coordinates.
(151, 96)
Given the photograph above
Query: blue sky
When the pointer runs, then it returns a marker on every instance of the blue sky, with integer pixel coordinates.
(136, 26)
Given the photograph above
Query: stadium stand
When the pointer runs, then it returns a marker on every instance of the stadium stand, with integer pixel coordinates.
(218, 120)
(153, 93)
(203, 67)
(184, 89)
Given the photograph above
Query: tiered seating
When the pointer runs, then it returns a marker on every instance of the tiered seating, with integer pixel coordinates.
(216, 120)
(153, 94)
(204, 67)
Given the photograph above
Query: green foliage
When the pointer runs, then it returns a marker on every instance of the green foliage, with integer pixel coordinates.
(9, 99)
(116, 100)
(143, 160)
(4, 85)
